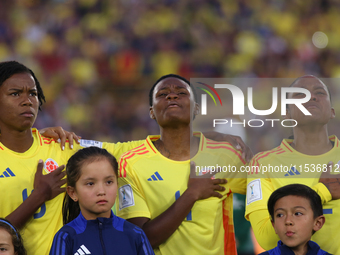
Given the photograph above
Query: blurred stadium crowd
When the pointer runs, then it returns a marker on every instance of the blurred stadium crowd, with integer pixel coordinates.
(97, 59)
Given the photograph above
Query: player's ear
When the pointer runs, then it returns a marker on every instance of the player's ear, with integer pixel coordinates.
(71, 191)
(197, 109)
(318, 222)
(333, 113)
(152, 115)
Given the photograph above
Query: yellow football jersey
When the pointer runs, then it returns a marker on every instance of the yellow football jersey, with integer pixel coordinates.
(150, 183)
(284, 165)
(16, 184)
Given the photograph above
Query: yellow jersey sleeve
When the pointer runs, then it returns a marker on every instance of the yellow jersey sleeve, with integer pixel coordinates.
(237, 181)
(258, 193)
(117, 149)
(131, 199)
(263, 229)
(323, 192)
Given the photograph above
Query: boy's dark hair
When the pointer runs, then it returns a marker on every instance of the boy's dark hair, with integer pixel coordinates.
(170, 76)
(73, 172)
(17, 241)
(9, 68)
(298, 190)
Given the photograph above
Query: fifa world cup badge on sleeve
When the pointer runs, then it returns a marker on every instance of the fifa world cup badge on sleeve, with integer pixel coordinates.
(254, 191)
(125, 196)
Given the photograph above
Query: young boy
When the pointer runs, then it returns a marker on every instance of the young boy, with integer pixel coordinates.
(296, 214)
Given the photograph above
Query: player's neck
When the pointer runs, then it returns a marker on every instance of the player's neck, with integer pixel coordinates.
(301, 249)
(310, 142)
(177, 144)
(18, 141)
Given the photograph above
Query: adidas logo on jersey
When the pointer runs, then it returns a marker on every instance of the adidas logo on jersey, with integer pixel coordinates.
(7, 173)
(155, 177)
(292, 171)
(82, 250)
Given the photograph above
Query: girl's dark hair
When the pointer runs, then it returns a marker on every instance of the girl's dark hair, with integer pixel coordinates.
(88, 155)
(9, 68)
(17, 241)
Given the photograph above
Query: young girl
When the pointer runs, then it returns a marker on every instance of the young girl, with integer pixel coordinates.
(91, 227)
(10, 240)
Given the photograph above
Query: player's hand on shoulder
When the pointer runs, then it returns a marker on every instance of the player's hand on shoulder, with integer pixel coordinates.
(203, 187)
(331, 181)
(50, 185)
(60, 135)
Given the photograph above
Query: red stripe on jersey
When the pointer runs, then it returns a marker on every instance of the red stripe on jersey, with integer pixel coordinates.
(280, 152)
(229, 236)
(130, 151)
(133, 150)
(213, 142)
(1, 148)
(202, 143)
(333, 138)
(125, 163)
(287, 147)
(228, 194)
(150, 145)
(255, 157)
(48, 139)
(127, 153)
(228, 148)
(137, 149)
(266, 153)
(260, 156)
(39, 138)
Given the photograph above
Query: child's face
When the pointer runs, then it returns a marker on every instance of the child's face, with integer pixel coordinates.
(294, 221)
(95, 190)
(6, 245)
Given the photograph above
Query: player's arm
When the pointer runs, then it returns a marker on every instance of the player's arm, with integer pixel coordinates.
(263, 229)
(258, 192)
(60, 135)
(328, 187)
(46, 187)
(162, 227)
(234, 140)
(116, 149)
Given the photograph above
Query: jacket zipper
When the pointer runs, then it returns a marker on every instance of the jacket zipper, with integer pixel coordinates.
(101, 237)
